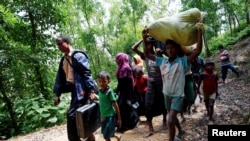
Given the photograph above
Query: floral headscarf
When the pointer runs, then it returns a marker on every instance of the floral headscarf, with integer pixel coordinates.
(123, 69)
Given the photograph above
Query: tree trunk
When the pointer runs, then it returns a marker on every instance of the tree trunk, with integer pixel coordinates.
(207, 51)
(9, 106)
(230, 24)
(247, 3)
(236, 19)
(33, 48)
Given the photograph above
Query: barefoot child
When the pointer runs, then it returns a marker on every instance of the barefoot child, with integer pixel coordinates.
(209, 87)
(141, 81)
(110, 113)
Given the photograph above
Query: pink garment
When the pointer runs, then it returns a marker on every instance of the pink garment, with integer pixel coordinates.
(123, 69)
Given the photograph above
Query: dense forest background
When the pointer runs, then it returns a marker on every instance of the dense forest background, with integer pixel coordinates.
(29, 56)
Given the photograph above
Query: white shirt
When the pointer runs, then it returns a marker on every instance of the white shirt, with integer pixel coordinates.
(173, 75)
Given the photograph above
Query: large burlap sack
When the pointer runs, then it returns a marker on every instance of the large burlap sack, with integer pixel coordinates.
(180, 27)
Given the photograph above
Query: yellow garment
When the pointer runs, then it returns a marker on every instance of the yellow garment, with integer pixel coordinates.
(180, 27)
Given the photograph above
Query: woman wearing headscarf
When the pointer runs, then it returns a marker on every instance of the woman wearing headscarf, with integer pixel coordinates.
(124, 77)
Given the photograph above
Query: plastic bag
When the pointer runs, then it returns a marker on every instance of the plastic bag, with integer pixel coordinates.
(135, 105)
(197, 100)
(180, 27)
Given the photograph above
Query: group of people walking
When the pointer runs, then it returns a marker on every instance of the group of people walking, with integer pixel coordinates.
(159, 89)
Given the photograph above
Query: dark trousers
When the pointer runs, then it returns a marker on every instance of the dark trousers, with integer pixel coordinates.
(154, 100)
(224, 70)
(71, 120)
(71, 129)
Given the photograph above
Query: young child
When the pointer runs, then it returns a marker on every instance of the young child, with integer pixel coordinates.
(173, 76)
(137, 61)
(209, 87)
(141, 88)
(110, 113)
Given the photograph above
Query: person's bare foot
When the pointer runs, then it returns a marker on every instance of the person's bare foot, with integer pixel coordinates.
(180, 136)
(150, 133)
(182, 120)
(211, 119)
(151, 130)
(91, 138)
(118, 137)
(164, 126)
(210, 122)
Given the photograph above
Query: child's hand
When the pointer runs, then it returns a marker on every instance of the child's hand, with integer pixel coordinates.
(93, 96)
(144, 33)
(57, 100)
(158, 51)
(119, 122)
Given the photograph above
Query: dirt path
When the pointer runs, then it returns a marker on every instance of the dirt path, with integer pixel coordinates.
(230, 109)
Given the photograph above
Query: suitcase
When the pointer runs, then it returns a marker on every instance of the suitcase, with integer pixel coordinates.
(88, 119)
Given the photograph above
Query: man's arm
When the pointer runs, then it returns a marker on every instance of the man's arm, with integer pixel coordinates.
(85, 72)
(198, 49)
(135, 48)
(58, 83)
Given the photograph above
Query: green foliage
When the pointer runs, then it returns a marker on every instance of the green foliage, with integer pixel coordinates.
(227, 40)
(246, 118)
(32, 114)
(5, 130)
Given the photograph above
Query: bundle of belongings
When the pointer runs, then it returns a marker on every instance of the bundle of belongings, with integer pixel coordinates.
(180, 27)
